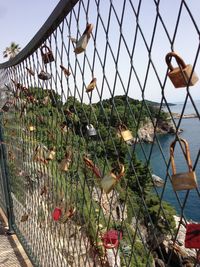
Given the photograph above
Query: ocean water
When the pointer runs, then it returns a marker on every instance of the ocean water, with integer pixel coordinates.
(191, 132)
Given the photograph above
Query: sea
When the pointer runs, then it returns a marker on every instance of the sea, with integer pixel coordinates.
(158, 161)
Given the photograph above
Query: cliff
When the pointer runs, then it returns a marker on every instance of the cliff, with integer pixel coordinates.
(146, 131)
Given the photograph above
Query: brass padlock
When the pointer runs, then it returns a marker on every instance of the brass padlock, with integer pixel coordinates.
(40, 154)
(67, 215)
(109, 180)
(124, 133)
(81, 44)
(66, 71)
(184, 180)
(91, 85)
(44, 75)
(65, 163)
(90, 165)
(180, 76)
(47, 56)
(32, 128)
(51, 154)
(46, 100)
(91, 131)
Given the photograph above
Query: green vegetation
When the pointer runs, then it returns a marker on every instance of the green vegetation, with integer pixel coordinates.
(64, 126)
(12, 50)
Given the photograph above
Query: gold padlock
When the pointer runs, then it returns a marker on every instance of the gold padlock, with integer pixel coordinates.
(81, 44)
(65, 163)
(51, 154)
(91, 85)
(32, 128)
(124, 133)
(109, 180)
(40, 154)
(90, 165)
(181, 76)
(184, 180)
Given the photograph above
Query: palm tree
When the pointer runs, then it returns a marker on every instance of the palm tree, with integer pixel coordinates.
(11, 51)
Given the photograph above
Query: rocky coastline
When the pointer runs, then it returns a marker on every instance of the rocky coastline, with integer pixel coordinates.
(147, 132)
(186, 116)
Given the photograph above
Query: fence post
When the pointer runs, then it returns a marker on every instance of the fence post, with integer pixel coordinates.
(6, 180)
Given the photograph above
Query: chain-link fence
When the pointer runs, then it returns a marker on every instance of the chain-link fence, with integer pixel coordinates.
(88, 164)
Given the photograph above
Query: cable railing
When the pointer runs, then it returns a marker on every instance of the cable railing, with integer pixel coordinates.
(90, 175)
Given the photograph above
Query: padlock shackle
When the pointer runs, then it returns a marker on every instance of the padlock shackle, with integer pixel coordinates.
(89, 126)
(179, 60)
(46, 47)
(122, 127)
(187, 155)
(110, 246)
(122, 171)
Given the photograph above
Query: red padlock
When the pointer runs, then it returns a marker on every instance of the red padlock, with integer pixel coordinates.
(111, 239)
(192, 236)
(56, 214)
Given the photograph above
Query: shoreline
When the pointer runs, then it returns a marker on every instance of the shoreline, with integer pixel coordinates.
(186, 116)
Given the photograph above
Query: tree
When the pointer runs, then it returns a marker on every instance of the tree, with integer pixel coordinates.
(11, 51)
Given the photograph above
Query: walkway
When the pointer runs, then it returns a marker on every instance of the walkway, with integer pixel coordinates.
(11, 251)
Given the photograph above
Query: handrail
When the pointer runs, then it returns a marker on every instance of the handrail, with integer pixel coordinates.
(60, 11)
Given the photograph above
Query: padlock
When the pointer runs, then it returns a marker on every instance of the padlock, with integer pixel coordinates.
(184, 180)
(111, 239)
(40, 154)
(109, 180)
(90, 165)
(67, 215)
(81, 44)
(6, 106)
(92, 85)
(30, 71)
(192, 236)
(57, 214)
(44, 75)
(45, 100)
(47, 56)
(51, 154)
(124, 133)
(32, 128)
(180, 76)
(66, 71)
(65, 163)
(24, 217)
(91, 131)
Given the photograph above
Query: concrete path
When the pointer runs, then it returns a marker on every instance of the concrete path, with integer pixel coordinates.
(11, 251)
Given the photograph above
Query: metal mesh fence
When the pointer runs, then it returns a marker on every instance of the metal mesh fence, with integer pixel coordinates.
(82, 149)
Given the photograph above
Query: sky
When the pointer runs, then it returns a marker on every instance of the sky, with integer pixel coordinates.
(20, 20)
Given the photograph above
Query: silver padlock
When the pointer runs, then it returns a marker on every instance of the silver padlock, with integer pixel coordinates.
(91, 131)
(180, 76)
